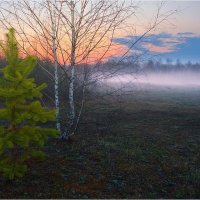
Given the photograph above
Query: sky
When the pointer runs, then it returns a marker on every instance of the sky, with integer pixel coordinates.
(178, 38)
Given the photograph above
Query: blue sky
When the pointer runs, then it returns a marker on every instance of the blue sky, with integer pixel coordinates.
(183, 46)
(179, 38)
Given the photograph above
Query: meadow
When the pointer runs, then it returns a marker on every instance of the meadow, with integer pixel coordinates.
(143, 143)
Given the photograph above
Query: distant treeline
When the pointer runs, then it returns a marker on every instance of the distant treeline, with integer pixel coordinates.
(169, 66)
(44, 72)
(152, 66)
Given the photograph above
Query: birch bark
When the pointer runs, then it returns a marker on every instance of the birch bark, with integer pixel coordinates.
(72, 78)
(56, 78)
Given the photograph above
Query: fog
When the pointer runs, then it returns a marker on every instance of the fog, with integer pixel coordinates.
(186, 79)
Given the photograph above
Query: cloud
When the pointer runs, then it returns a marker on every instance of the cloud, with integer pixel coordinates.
(184, 46)
(159, 49)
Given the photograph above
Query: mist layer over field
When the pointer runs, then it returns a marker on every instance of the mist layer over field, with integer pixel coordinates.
(185, 79)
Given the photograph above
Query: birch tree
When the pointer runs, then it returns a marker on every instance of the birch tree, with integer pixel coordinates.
(73, 59)
(56, 78)
(89, 27)
(31, 28)
(80, 32)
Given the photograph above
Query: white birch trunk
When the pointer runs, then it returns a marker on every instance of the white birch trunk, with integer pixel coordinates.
(57, 103)
(72, 78)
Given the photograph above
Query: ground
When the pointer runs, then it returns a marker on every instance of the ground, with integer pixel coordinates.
(144, 145)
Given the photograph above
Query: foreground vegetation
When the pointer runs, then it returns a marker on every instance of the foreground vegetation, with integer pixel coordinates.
(20, 112)
(144, 146)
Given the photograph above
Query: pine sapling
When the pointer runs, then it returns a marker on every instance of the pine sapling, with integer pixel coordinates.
(21, 113)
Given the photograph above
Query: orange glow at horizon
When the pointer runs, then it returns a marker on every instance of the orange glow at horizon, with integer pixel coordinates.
(100, 54)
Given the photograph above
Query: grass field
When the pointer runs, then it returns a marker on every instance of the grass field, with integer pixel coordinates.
(142, 145)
